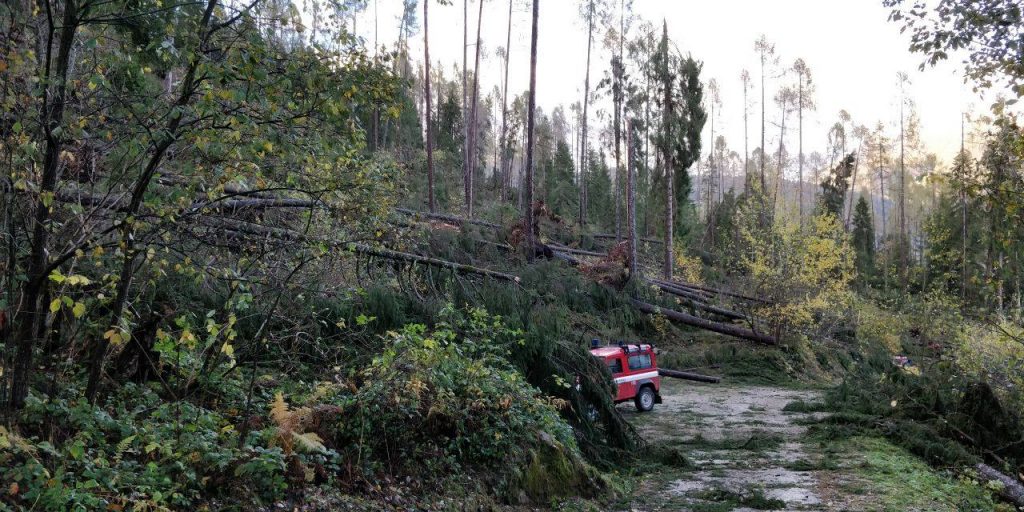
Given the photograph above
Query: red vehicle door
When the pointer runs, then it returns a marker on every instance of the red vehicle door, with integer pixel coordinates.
(617, 365)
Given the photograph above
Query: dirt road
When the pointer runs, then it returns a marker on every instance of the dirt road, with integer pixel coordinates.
(748, 453)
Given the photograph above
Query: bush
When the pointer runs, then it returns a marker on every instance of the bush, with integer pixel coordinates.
(437, 402)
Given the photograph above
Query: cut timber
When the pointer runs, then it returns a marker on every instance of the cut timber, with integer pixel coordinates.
(448, 218)
(694, 321)
(1012, 489)
(688, 376)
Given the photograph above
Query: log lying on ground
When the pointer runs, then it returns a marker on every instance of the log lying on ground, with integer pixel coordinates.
(702, 323)
(678, 374)
(709, 290)
(579, 252)
(1012, 489)
(426, 260)
(448, 218)
(613, 237)
(698, 301)
(286, 234)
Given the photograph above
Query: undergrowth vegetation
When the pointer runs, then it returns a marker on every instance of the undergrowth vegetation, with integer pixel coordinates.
(919, 383)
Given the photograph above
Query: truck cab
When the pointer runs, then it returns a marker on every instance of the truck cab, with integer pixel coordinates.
(634, 370)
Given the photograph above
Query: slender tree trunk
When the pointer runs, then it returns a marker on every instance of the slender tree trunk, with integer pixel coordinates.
(619, 115)
(429, 107)
(506, 166)
(466, 187)
(881, 187)
(52, 115)
(746, 148)
(800, 149)
(473, 128)
(528, 185)
(667, 162)
(903, 206)
(779, 174)
(631, 202)
(586, 103)
(764, 152)
(853, 184)
(128, 239)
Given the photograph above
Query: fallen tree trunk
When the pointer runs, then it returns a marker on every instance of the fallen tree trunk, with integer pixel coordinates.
(613, 237)
(286, 234)
(680, 291)
(448, 218)
(708, 325)
(426, 260)
(1012, 489)
(699, 301)
(678, 374)
(710, 290)
(579, 252)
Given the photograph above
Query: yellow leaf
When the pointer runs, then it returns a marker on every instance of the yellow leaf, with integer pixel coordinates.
(78, 310)
(228, 349)
(78, 280)
(55, 305)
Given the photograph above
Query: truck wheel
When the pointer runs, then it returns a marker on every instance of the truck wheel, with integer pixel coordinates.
(644, 399)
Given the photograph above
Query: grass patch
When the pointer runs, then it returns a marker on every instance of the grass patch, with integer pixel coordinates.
(804, 406)
(758, 441)
(722, 499)
(826, 463)
(902, 481)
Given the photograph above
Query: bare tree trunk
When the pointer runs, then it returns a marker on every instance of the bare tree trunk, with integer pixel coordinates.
(465, 104)
(670, 198)
(430, 125)
(506, 166)
(51, 117)
(586, 104)
(473, 116)
(779, 174)
(881, 187)
(853, 184)
(746, 148)
(764, 184)
(903, 205)
(800, 149)
(631, 202)
(528, 193)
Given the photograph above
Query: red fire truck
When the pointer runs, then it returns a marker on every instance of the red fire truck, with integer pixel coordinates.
(635, 371)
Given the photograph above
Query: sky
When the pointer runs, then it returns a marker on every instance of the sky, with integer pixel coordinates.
(853, 51)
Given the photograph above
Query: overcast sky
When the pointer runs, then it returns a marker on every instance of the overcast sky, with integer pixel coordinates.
(853, 52)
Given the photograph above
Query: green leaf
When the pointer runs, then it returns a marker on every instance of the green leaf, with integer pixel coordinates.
(78, 310)
(55, 305)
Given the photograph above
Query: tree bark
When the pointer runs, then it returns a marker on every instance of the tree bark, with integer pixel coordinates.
(528, 185)
(429, 107)
(52, 116)
(1012, 489)
(506, 166)
(696, 377)
(586, 103)
(128, 240)
(694, 321)
(634, 269)
(473, 125)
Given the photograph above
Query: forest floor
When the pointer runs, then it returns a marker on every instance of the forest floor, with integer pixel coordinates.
(748, 453)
